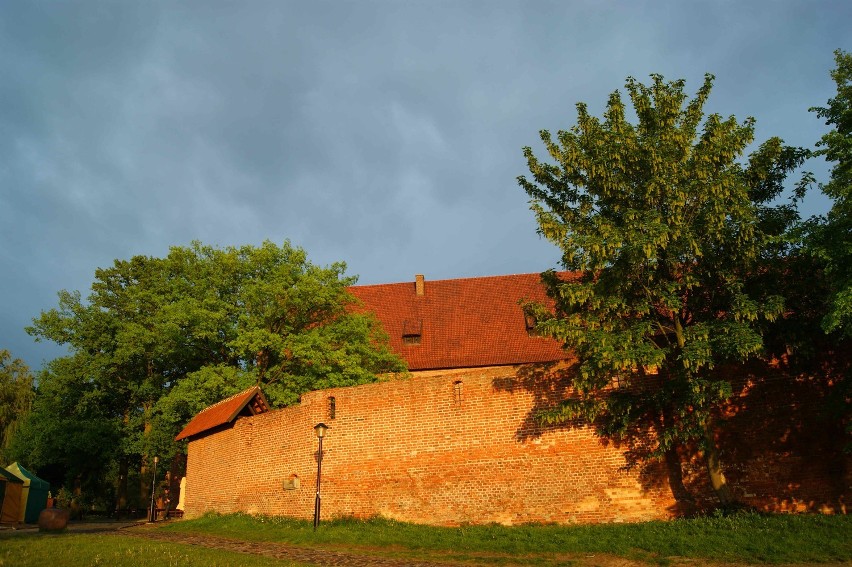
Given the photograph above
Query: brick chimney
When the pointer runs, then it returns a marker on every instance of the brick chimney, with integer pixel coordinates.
(419, 285)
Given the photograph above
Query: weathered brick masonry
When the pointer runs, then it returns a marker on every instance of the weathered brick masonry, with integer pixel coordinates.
(460, 446)
(782, 447)
(441, 447)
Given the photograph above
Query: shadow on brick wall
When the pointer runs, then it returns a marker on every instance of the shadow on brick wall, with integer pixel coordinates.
(782, 436)
(549, 384)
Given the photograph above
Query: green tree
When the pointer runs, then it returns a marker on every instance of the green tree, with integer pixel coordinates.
(16, 396)
(121, 350)
(72, 426)
(831, 236)
(289, 325)
(663, 228)
(220, 319)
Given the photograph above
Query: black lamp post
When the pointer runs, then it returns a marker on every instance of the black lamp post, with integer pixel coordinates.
(153, 517)
(320, 430)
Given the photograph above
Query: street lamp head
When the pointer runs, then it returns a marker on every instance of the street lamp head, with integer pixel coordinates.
(320, 429)
(156, 460)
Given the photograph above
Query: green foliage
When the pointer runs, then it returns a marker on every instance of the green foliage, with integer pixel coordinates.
(664, 230)
(159, 339)
(189, 396)
(830, 237)
(16, 397)
(71, 424)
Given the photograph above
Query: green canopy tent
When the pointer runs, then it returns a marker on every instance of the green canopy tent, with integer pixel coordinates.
(34, 495)
(10, 497)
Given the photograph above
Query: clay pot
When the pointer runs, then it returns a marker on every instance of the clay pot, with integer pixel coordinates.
(53, 520)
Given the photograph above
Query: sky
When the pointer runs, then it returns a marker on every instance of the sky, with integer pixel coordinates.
(387, 134)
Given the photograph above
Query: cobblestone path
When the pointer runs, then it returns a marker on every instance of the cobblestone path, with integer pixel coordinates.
(280, 550)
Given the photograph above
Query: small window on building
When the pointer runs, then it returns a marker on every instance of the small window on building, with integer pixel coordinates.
(530, 321)
(457, 393)
(332, 407)
(412, 331)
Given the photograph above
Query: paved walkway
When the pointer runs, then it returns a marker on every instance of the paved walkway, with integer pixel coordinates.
(76, 527)
(280, 550)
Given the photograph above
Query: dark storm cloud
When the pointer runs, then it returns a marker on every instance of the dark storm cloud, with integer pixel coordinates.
(387, 134)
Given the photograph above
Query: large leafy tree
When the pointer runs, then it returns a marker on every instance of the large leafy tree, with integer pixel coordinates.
(831, 236)
(73, 428)
(16, 396)
(663, 227)
(217, 319)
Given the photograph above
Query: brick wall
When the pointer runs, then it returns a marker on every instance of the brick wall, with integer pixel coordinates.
(451, 447)
(781, 443)
(439, 447)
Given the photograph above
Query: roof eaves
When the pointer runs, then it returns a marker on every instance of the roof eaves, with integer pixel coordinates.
(240, 407)
(199, 424)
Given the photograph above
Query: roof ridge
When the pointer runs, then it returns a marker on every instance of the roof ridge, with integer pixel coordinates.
(237, 395)
(453, 279)
(223, 411)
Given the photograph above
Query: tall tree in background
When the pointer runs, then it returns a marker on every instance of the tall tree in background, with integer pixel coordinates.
(16, 396)
(217, 319)
(664, 227)
(831, 236)
(73, 428)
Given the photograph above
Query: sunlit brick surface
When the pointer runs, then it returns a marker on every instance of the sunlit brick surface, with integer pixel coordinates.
(456, 446)
(416, 450)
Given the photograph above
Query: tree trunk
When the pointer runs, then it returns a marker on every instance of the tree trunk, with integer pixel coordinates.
(674, 469)
(144, 481)
(262, 360)
(121, 492)
(144, 485)
(714, 469)
(684, 501)
(76, 499)
(675, 474)
(123, 468)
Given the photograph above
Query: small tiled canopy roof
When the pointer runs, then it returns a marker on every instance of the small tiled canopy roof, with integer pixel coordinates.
(247, 402)
(461, 323)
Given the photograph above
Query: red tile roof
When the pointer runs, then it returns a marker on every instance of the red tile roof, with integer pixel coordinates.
(247, 402)
(462, 322)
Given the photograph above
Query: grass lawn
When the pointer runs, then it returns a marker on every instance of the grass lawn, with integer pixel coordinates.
(84, 550)
(739, 538)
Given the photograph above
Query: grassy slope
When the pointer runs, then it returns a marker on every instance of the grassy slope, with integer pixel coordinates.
(743, 538)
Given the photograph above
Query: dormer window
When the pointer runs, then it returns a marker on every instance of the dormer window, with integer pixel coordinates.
(530, 321)
(412, 331)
